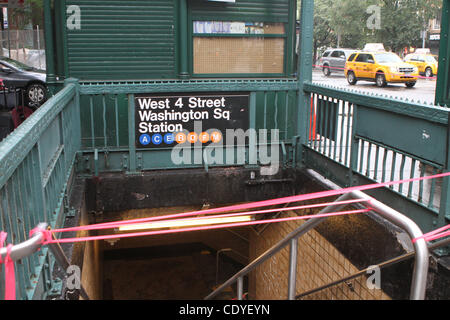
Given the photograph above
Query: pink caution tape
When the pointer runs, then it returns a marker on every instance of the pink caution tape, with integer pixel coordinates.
(434, 235)
(225, 225)
(247, 206)
(117, 224)
(10, 277)
(48, 234)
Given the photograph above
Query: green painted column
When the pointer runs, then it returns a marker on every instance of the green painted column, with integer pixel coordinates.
(65, 57)
(131, 134)
(183, 36)
(49, 44)
(291, 38)
(58, 45)
(442, 98)
(442, 85)
(304, 71)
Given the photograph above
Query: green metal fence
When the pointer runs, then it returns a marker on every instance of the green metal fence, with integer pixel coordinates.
(36, 166)
(352, 139)
(108, 126)
(88, 129)
(355, 139)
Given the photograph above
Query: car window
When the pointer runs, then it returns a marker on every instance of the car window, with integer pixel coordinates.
(326, 54)
(15, 64)
(362, 57)
(430, 59)
(420, 59)
(4, 67)
(336, 54)
(352, 57)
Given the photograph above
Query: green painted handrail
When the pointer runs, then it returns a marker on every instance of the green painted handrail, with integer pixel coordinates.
(18, 144)
(36, 160)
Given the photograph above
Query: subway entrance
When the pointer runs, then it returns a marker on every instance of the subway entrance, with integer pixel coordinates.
(171, 267)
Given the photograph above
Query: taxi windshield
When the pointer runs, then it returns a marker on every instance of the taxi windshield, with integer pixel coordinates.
(430, 59)
(387, 58)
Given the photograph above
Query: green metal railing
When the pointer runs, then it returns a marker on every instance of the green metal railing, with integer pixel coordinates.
(355, 139)
(36, 165)
(81, 131)
(108, 127)
(86, 130)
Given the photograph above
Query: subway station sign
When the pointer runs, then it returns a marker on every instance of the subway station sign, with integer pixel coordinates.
(164, 121)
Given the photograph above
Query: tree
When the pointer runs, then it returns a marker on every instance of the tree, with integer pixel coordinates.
(340, 23)
(345, 22)
(323, 32)
(349, 20)
(404, 20)
(31, 12)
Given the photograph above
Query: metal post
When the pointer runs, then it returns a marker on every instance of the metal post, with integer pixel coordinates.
(444, 56)
(9, 41)
(63, 262)
(27, 248)
(39, 45)
(240, 288)
(292, 269)
(183, 28)
(418, 286)
(59, 26)
(65, 58)
(131, 134)
(96, 162)
(291, 43)
(304, 72)
(444, 208)
(419, 279)
(304, 228)
(49, 43)
(253, 140)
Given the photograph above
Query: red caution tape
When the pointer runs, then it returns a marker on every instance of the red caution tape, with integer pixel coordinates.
(434, 235)
(221, 226)
(247, 206)
(49, 234)
(10, 277)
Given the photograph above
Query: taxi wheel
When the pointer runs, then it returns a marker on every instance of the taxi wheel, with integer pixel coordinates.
(410, 84)
(381, 80)
(428, 73)
(351, 78)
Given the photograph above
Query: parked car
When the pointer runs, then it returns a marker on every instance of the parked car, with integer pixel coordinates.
(380, 67)
(18, 75)
(333, 60)
(426, 63)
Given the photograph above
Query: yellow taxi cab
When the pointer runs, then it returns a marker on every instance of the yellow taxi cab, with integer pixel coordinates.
(426, 63)
(381, 68)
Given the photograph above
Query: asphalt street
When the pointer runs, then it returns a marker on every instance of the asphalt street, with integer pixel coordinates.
(423, 91)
